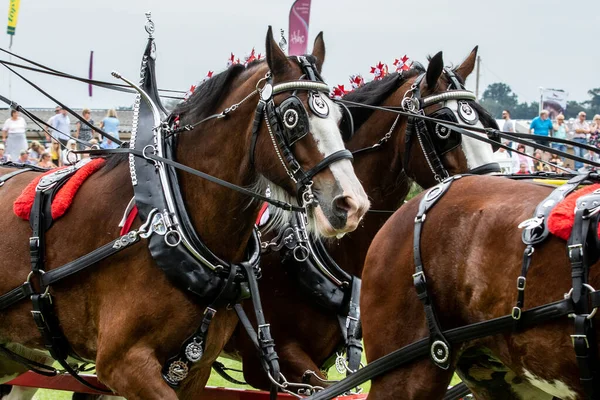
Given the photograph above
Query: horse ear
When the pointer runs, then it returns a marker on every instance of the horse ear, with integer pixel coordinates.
(434, 70)
(319, 51)
(276, 58)
(467, 66)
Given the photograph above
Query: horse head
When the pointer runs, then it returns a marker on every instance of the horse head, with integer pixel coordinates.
(315, 139)
(292, 145)
(442, 95)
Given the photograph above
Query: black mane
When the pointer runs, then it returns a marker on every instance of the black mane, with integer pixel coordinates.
(207, 96)
(374, 93)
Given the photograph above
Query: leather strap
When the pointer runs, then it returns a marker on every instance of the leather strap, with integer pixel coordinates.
(416, 350)
(439, 346)
(6, 177)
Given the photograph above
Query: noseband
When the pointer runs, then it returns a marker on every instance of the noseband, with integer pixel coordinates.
(289, 122)
(447, 140)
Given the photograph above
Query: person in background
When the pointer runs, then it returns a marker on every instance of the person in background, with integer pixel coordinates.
(591, 156)
(560, 132)
(509, 163)
(595, 131)
(50, 131)
(556, 160)
(24, 158)
(54, 150)
(541, 126)
(83, 131)
(93, 145)
(35, 152)
(538, 165)
(15, 127)
(61, 126)
(110, 125)
(523, 169)
(581, 129)
(46, 161)
(509, 124)
(68, 157)
(524, 159)
(4, 158)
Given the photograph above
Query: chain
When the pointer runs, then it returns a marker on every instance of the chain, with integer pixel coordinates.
(277, 149)
(435, 174)
(235, 106)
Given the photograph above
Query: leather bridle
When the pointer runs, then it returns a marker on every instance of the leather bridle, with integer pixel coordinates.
(414, 103)
(289, 123)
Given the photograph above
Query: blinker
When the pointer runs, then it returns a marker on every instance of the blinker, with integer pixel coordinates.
(317, 105)
(293, 116)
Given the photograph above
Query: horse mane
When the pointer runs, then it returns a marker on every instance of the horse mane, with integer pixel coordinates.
(201, 103)
(207, 96)
(375, 92)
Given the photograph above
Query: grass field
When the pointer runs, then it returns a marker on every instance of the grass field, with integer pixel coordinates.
(215, 380)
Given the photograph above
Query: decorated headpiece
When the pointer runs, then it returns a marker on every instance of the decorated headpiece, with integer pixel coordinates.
(402, 64)
(339, 92)
(232, 60)
(379, 71)
(356, 81)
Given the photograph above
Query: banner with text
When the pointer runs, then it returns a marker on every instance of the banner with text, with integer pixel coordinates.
(555, 101)
(298, 29)
(13, 14)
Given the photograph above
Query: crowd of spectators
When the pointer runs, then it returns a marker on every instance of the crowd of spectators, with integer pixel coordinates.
(60, 140)
(579, 131)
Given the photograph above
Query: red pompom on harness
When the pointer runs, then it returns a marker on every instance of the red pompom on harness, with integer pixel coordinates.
(65, 195)
(560, 221)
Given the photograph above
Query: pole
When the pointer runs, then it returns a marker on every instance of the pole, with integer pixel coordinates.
(477, 78)
(541, 107)
(9, 74)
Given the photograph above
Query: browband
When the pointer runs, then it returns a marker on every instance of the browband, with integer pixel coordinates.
(300, 85)
(453, 95)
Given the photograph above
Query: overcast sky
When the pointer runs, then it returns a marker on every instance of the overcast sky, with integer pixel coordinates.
(525, 43)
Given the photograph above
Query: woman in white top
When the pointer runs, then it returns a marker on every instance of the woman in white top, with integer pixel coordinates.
(15, 127)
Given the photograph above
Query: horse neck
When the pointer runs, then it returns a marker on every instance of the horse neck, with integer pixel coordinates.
(224, 219)
(382, 175)
(381, 171)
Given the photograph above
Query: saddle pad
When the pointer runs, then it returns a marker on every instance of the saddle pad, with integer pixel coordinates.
(64, 197)
(560, 221)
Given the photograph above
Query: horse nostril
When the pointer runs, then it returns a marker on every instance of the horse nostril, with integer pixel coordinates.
(343, 205)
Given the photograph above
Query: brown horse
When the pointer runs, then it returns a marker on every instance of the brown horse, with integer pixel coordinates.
(471, 251)
(124, 313)
(306, 333)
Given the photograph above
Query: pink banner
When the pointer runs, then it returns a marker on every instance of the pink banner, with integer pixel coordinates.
(298, 29)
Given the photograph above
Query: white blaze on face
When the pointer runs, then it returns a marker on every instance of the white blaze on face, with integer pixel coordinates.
(477, 152)
(327, 135)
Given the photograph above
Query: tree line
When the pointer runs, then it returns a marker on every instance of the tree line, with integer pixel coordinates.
(499, 96)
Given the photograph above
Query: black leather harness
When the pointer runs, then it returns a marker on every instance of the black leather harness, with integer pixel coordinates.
(580, 303)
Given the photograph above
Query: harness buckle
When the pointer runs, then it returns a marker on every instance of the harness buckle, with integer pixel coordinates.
(39, 314)
(521, 282)
(419, 219)
(420, 275)
(584, 337)
(572, 247)
(34, 242)
(516, 313)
